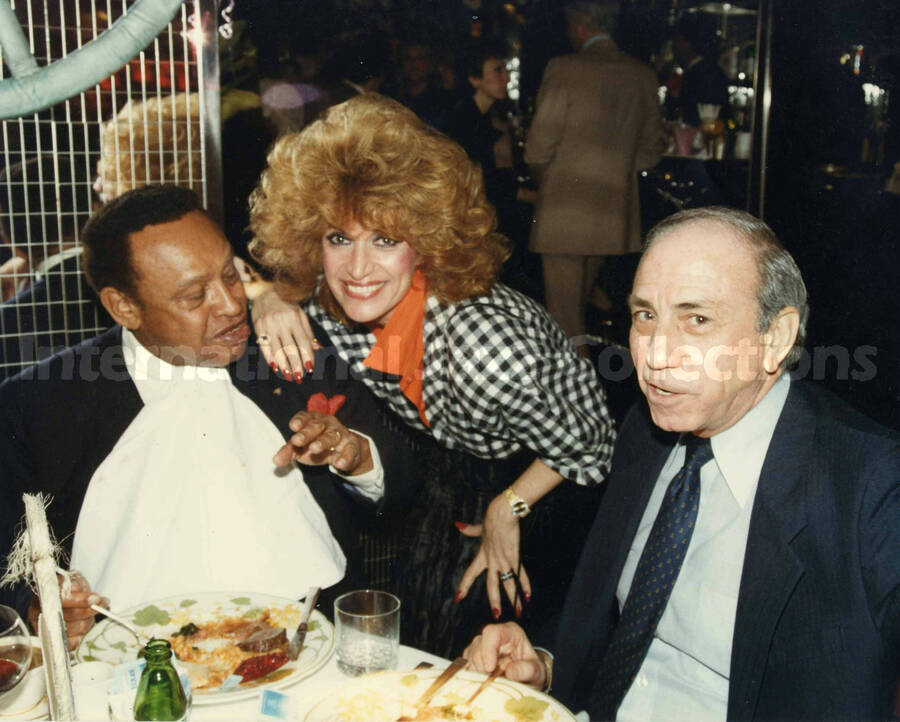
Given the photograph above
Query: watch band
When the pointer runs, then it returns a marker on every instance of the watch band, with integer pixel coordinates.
(517, 504)
(547, 660)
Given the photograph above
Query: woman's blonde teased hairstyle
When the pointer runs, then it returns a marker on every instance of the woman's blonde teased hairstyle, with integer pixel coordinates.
(373, 161)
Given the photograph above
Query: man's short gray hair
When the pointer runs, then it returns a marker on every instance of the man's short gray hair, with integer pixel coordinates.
(780, 281)
(595, 14)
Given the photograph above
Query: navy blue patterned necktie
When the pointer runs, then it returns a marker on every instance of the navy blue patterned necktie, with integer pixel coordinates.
(652, 584)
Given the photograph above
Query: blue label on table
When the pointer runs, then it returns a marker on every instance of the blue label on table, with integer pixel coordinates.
(127, 675)
(274, 704)
(231, 681)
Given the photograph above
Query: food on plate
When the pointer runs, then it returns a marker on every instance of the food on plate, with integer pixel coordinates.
(260, 666)
(446, 712)
(249, 648)
(264, 638)
(374, 705)
(371, 706)
(392, 696)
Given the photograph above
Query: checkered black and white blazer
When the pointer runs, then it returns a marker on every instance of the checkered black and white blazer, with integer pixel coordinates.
(499, 376)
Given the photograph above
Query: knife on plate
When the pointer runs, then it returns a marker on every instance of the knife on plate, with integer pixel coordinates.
(445, 676)
(296, 644)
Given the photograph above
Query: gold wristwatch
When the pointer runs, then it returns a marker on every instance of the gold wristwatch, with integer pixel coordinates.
(517, 504)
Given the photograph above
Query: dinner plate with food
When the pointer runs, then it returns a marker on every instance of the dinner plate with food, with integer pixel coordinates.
(231, 645)
(389, 696)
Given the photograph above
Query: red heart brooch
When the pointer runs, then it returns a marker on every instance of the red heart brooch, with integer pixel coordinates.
(320, 403)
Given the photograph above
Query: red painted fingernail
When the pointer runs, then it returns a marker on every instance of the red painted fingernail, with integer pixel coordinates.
(460, 525)
(518, 611)
(309, 367)
(298, 377)
(274, 367)
(457, 597)
(286, 373)
(496, 613)
(527, 597)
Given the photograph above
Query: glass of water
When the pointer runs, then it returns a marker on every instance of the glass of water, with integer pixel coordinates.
(367, 628)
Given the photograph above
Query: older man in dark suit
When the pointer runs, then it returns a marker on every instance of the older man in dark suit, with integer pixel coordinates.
(744, 563)
(155, 439)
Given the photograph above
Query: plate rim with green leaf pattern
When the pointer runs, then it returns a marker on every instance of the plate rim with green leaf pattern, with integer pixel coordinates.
(108, 641)
(520, 703)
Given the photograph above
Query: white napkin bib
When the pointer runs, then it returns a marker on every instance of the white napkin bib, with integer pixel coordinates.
(189, 500)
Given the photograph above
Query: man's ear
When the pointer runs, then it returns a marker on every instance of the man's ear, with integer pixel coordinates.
(779, 339)
(124, 310)
(474, 82)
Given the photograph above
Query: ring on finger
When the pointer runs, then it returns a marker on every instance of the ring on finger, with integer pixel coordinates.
(262, 339)
(339, 437)
(507, 576)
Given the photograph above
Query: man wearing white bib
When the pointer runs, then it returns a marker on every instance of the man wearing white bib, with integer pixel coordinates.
(156, 438)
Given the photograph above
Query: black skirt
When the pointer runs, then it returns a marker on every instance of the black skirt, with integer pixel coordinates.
(433, 554)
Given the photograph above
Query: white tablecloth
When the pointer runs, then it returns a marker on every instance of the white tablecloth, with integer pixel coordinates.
(329, 675)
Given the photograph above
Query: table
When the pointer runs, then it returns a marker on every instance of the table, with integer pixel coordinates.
(408, 657)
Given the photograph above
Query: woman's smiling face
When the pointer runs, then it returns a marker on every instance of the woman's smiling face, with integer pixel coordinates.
(368, 273)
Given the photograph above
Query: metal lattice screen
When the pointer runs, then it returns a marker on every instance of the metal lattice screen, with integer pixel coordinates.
(155, 119)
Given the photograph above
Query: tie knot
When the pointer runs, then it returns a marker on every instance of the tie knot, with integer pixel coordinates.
(697, 451)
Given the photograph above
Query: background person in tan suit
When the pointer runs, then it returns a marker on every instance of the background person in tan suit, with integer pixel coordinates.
(597, 124)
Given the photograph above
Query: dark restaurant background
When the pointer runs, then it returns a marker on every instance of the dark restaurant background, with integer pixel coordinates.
(833, 138)
(824, 131)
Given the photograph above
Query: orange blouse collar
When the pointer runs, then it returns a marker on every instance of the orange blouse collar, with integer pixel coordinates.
(399, 348)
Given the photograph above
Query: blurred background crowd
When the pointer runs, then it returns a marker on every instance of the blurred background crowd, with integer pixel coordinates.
(806, 135)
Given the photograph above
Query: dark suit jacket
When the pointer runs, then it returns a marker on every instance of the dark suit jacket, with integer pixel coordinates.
(703, 83)
(58, 311)
(475, 132)
(817, 632)
(61, 418)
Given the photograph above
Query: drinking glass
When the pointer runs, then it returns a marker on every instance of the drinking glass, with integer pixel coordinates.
(367, 628)
(15, 648)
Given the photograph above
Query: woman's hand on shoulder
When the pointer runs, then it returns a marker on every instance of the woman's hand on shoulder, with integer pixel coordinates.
(284, 334)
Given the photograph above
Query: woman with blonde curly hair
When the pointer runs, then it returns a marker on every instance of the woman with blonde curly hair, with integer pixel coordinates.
(379, 224)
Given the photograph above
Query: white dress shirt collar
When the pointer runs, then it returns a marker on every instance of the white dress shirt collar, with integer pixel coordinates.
(741, 449)
(155, 378)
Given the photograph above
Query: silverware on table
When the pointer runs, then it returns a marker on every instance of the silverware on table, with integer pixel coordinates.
(139, 635)
(455, 666)
(296, 643)
(499, 669)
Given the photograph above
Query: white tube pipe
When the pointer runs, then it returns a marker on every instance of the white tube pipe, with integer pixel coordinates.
(87, 65)
(14, 43)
